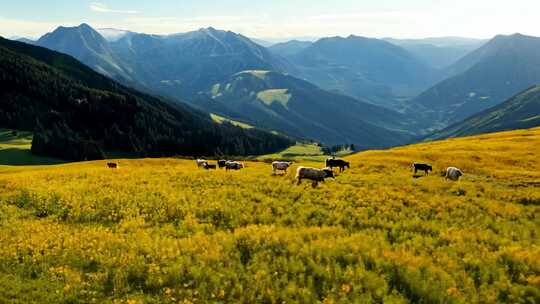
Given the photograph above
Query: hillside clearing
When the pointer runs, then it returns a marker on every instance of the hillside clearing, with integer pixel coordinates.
(269, 97)
(221, 119)
(161, 230)
(302, 152)
(15, 150)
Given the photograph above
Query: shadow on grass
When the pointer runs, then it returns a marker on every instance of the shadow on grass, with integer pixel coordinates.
(23, 157)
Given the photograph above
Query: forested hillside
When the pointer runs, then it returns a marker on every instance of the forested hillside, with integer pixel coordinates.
(77, 114)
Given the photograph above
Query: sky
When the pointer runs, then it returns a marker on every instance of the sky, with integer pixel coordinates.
(277, 20)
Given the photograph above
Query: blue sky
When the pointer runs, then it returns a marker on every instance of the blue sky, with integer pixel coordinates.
(280, 18)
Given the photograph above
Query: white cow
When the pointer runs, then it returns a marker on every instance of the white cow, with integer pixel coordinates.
(453, 173)
(313, 174)
(201, 163)
(280, 166)
(233, 165)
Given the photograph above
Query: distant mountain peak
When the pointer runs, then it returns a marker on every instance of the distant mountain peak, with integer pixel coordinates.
(85, 26)
(112, 34)
(512, 37)
(211, 30)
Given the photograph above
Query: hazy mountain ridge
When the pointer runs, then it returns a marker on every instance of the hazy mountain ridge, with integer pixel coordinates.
(519, 112)
(184, 64)
(289, 48)
(366, 68)
(500, 69)
(281, 102)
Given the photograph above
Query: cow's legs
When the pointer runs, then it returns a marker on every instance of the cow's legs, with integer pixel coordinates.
(299, 181)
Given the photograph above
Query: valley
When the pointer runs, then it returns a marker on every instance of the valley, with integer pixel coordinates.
(425, 85)
(269, 152)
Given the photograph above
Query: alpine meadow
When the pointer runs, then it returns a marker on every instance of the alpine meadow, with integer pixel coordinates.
(156, 230)
(269, 152)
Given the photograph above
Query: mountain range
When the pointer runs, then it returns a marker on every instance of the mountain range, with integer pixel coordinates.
(439, 52)
(79, 114)
(501, 68)
(366, 68)
(88, 46)
(289, 48)
(424, 85)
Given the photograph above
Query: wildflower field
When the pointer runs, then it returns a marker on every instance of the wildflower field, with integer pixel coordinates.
(163, 231)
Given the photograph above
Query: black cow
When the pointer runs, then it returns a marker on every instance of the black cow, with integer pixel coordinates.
(339, 163)
(221, 163)
(422, 167)
(208, 166)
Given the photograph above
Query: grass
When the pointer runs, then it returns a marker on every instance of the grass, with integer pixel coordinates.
(221, 119)
(257, 73)
(163, 231)
(280, 96)
(15, 150)
(302, 152)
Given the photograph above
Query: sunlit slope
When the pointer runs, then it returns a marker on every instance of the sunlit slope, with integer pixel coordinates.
(160, 230)
(15, 149)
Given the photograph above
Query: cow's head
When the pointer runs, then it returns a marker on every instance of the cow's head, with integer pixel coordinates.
(430, 168)
(348, 164)
(329, 173)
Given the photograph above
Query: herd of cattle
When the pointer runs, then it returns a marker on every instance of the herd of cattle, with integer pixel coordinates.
(315, 175)
(318, 175)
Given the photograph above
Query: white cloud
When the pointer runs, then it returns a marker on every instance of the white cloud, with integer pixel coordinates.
(410, 23)
(28, 29)
(102, 8)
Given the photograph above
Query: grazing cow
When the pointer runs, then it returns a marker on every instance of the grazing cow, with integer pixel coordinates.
(233, 165)
(315, 175)
(201, 163)
(280, 166)
(340, 163)
(221, 163)
(208, 166)
(453, 173)
(113, 165)
(422, 167)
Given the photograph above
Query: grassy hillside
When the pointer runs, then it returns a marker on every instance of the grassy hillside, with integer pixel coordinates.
(302, 152)
(277, 101)
(519, 112)
(160, 230)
